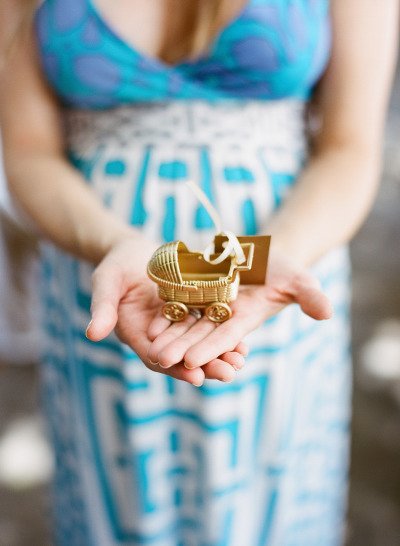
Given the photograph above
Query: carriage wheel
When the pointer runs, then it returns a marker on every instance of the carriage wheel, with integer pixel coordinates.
(218, 312)
(175, 311)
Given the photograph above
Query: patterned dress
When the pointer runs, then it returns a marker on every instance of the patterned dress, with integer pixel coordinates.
(143, 458)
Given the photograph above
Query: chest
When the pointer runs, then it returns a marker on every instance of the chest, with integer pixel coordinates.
(102, 53)
(161, 28)
(139, 22)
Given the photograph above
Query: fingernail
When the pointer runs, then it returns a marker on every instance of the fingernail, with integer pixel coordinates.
(154, 363)
(238, 365)
(227, 380)
(87, 328)
(188, 367)
(198, 384)
(163, 365)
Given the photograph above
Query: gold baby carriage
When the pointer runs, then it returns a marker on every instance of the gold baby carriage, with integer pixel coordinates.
(186, 280)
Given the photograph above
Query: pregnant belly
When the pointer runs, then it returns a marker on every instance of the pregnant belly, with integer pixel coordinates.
(244, 155)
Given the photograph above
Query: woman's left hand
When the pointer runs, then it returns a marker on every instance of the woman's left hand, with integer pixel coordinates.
(204, 341)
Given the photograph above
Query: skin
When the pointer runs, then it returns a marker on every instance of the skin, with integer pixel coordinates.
(330, 200)
(153, 14)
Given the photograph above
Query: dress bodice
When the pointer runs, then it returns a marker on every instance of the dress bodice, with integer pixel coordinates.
(273, 49)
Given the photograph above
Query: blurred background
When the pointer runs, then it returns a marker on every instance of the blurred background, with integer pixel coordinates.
(374, 501)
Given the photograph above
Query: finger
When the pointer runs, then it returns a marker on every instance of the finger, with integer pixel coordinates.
(174, 331)
(242, 348)
(141, 345)
(157, 326)
(311, 299)
(106, 295)
(235, 359)
(222, 340)
(314, 303)
(178, 371)
(175, 351)
(218, 369)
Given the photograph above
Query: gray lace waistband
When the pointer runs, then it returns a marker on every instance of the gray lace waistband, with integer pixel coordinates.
(273, 123)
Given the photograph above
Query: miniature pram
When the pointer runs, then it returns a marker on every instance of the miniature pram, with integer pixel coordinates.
(209, 280)
(187, 280)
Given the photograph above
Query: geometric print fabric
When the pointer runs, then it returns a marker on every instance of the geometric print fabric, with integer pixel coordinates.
(145, 459)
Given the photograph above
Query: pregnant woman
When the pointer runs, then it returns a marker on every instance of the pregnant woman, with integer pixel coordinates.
(275, 108)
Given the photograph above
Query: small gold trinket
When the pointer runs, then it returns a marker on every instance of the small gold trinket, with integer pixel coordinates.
(218, 312)
(206, 281)
(175, 311)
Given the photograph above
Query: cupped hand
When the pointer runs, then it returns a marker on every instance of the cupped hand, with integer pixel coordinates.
(287, 283)
(124, 298)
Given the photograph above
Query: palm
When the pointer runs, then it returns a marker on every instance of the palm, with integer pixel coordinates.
(287, 284)
(137, 309)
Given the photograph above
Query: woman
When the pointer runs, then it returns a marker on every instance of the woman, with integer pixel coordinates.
(152, 93)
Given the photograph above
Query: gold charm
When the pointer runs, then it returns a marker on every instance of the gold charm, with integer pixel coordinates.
(218, 312)
(175, 311)
(188, 281)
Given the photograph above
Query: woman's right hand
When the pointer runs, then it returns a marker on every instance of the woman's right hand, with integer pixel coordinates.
(288, 282)
(124, 298)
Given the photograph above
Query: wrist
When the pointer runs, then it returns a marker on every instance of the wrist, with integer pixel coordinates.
(286, 247)
(130, 251)
(111, 238)
(111, 233)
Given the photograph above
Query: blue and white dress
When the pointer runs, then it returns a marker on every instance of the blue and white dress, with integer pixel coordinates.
(143, 458)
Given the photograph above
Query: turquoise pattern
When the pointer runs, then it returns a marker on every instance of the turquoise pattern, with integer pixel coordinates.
(273, 49)
(143, 459)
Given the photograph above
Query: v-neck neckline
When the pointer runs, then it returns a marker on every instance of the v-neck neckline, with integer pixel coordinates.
(154, 60)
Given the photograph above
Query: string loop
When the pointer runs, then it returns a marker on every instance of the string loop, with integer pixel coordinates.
(232, 247)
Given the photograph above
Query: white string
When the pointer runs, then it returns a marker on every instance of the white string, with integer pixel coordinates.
(232, 247)
(202, 197)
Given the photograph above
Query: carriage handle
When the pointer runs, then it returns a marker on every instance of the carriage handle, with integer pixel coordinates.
(232, 245)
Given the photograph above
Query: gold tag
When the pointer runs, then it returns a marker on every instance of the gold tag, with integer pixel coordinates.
(258, 272)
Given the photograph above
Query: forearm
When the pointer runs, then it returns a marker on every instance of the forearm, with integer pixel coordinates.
(61, 204)
(336, 189)
(328, 203)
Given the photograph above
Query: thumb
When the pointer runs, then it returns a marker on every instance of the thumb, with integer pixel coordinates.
(107, 291)
(312, 300)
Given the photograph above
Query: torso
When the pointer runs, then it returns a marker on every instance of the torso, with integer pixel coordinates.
(141, 458)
